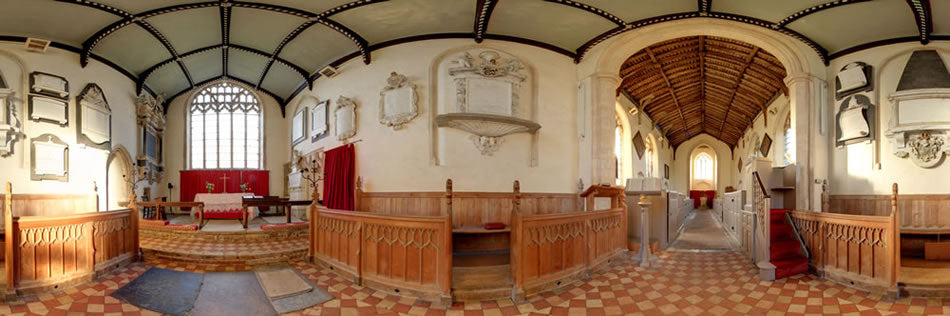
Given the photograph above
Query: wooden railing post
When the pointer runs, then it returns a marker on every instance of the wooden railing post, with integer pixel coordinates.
(896, 237)
(134, 218)
(448, 199)
(446, 283)
(517, 227)
(9, 237)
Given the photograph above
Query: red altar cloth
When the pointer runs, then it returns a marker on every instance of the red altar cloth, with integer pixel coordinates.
(193, 182)
(696, 194)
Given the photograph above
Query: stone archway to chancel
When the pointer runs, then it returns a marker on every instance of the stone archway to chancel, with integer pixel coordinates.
(120, 173)
(599, 79)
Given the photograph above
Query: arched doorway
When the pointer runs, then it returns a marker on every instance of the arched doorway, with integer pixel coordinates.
(119, 177)
(599, 73)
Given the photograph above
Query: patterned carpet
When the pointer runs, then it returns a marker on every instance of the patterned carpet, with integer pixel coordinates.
(681, 283)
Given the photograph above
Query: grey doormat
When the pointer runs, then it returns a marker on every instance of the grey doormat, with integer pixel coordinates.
(299, 301)
(164, 291)
(233, 294)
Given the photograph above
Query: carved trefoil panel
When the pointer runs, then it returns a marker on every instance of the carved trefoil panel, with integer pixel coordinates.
(49, 158)
(94, 118)
(344, 118)
(49, 110)
(49, 85)
(398, 102)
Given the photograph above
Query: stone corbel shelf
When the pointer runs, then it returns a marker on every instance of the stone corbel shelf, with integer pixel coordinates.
(487, 128)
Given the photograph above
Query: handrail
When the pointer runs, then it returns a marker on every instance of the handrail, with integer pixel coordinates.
(798, 235)
(761, 185)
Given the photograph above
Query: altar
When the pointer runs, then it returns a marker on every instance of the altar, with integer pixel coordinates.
(224, 206)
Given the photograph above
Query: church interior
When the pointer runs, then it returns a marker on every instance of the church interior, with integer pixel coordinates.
(475, 157)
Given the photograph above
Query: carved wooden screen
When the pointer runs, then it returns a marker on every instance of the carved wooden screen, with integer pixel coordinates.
(549, 250)
(411, 253)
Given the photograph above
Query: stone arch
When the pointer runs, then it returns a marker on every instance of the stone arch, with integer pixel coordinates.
(118, 164)
(804, 68)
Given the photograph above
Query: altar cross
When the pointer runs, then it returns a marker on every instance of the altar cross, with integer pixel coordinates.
(224, 179)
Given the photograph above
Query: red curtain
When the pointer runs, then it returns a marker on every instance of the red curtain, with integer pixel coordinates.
(696, 194)
(193, 182)
(338, 185)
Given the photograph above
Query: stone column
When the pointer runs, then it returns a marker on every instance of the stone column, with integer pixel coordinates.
(802, 89)
(603, 99)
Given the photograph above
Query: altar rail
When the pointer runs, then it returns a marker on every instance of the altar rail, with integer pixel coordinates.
(43, 253)
(555, 249)
(852, 248)
(398, 253)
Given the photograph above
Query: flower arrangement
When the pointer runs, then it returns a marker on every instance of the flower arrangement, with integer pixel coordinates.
(209, 186)
(243, 187)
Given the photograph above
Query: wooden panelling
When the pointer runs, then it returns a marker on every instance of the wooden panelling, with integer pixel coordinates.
(56, 250)
(401, 254)
(552, 250)
(53, 204)
(468, 208)
(851, 248)
(918, 212)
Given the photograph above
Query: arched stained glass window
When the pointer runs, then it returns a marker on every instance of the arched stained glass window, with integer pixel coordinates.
(225, 128)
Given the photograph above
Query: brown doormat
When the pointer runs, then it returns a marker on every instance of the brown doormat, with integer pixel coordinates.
(282, 282)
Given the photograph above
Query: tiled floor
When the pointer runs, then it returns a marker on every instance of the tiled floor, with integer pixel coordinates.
(680, 283)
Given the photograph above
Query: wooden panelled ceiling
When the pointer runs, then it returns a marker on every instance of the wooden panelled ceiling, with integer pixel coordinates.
(702, 85)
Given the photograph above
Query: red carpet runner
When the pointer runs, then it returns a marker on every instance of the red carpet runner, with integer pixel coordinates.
(785, 251)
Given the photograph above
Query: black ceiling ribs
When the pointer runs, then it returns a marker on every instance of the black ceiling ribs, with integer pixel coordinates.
(591, 9)
(703, 6)
(814, 9)
(306, 25)
(923, 18)
(242, 81)
(225, 7)
(483, 10)
(225, 13)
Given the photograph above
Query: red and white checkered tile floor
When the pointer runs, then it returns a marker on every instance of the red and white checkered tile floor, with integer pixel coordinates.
(680, 283)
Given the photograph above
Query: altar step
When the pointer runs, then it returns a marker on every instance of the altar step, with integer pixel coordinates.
(481, 282)
(224, 253)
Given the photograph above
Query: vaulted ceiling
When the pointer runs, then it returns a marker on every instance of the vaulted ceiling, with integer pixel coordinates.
(278, 46)
(702, 85)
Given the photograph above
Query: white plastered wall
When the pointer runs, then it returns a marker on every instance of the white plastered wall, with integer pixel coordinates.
(854, 168)
(86, 165)
(392, 161)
